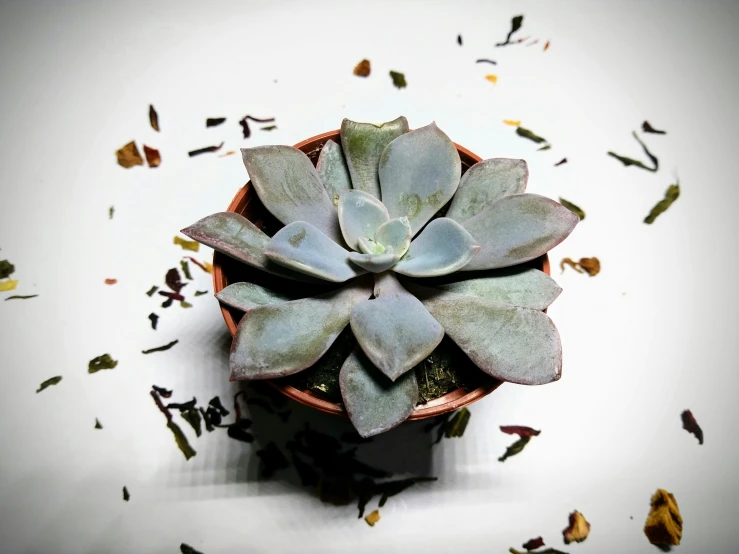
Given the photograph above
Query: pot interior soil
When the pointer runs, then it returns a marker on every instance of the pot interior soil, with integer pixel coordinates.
(447, 379)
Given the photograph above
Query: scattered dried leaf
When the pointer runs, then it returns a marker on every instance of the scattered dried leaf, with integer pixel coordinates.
(515, 448)
(200, 292)
(153, 157)
(171, 297)
(111, 211)
(205, 150)
(111, 281)
(373, 518)
(545, 551)
(459, 40)
(671, 194)
(6, 269)
(591, 266)
(398, 79)
(126, 496)
(152, 290)
(519, 430)
(486, 60)
(100, 363)
(21, 296)
(516, 23)
(204, 266)
(630, 161)
(578, 528)
(546, 46)
(245, 123)
(8, 285)
(161, 348)
(238, 430)
(153, 118)
(456, 426)
(185, 549)
(161, 391)
(129, 156)
(179, 436)
(533, 544)
(664, 525)
(98, 425)
(363, 69)
(691, 425)
(492, 78)
(561, 162)
(573, 208)
(525, 133)
(214, 121)
(186, 269)
(173, 280)
(192, 245)
(154, 318)
(184, 304)
(49, 382)
(647, 128)
(268, 128)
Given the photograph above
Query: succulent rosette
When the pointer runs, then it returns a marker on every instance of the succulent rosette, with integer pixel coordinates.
(366, 218)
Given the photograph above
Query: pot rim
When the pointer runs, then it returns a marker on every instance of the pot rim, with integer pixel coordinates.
(451, 401)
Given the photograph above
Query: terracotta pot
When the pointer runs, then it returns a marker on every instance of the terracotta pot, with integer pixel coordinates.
(227, 271)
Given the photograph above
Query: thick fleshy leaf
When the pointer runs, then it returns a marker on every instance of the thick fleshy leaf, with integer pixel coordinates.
(246, 296)
(369, 246)
(512, 344)
(363, 144)
(484, 183)
(443, 247)
(375, 263)
(302, 247)
(394, 330)
(237, 237)
(395, 233)
(331, 167)
(373, 402)
(360, 214)
(518, 228)
(526, 288)
(290, 188)
(419, 173)
(282, 339)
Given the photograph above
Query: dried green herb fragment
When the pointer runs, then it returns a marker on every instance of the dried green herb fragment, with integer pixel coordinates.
(273, 460)
(672, 194)
(129, 156)
(185, 549)
(525, 133)
(192, 245)
(214, 121)
(647, 128)
(629, 161)
(515, 448)
(161, 348)
(652, 157)
(126, 496)
(152, 290)
(205, 150)
(207, 419)
(153, 118)
(6, 269)
(573, 208)
(373, 518)
(49, 382)
(200, 292)
(21, 297)
(398, 79)
(184, 304)
(111, 211)
(179, 436)
(457, 424)
(192, 416)
(238, 430)
(691, 425)
(363, 69)
(268, 128)
(516, 23)
(98, 425)
(101, 362)
(546, 147)
(560, 162)
(167, 303)
(485, 60)
(186, 269)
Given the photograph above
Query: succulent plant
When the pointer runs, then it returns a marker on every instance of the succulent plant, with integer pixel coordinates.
(366, 218)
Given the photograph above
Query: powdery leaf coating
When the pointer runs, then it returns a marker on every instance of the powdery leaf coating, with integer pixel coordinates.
(485, 183)
(290, 188)
(246, 296)
(443, 247)
(395, 233)
(517, 345)
(419, 173)
(374, 263)
(235, 236)
(281, 339)
(394, 330)
(331, 167)
(304, 248)
(518, 228)
(360, 215)
(373, 402)
(363, 144)
(526, 288)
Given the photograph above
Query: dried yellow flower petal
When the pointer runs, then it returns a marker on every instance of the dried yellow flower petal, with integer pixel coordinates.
(578, 529)
(492, 78)
(10, 284)
(512, 122)
(187, 244)
(129, 156)
(664, 524)
(373, 518)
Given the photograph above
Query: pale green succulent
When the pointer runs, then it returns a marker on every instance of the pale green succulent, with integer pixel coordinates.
(352, 220)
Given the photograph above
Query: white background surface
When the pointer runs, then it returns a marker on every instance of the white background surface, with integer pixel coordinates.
(650, 336)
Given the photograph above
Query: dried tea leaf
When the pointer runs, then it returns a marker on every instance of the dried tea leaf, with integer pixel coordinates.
(672, 194)
(126, 496)
(545, 147)
(192, 416)
(578, 528)
(545, 551)
(570, 262)
(485, 60)
(519, 430)
(192, 245)
(8, 285)
(215, 402)
(459, 40)
(161, 391)
(153, 157)
(273, 460)
(647, 128)
(6, 269)
(152, 290)
(214, 121)
(161, 348)
(111, 281)
(373, 518)
(573, 208)
(398, 79)
(664, 525)
(456, 426)
(173, 280)
(153, 118)
(172, 296)
(268, 128)
(101, 362)
(561, 162)
(21, 297)
(591, 266)
(651, 156)
(362, 69)
(111, 211)
(49, 382)
(245, 123)
(184, 304)
(629, 161)
(533, 544)
(154, 318)
(205, 266)
(238, 430)
(525, 133)
(185, 549)
(181, 440)
(691, 425)
(515, 448)
(205, 150)
(98, 425)
(167, 303)
(516, 23)
(492, 78)
(128, 156)
(546, 46)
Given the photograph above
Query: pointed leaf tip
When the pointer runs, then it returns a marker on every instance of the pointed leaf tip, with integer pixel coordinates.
(443, 247)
